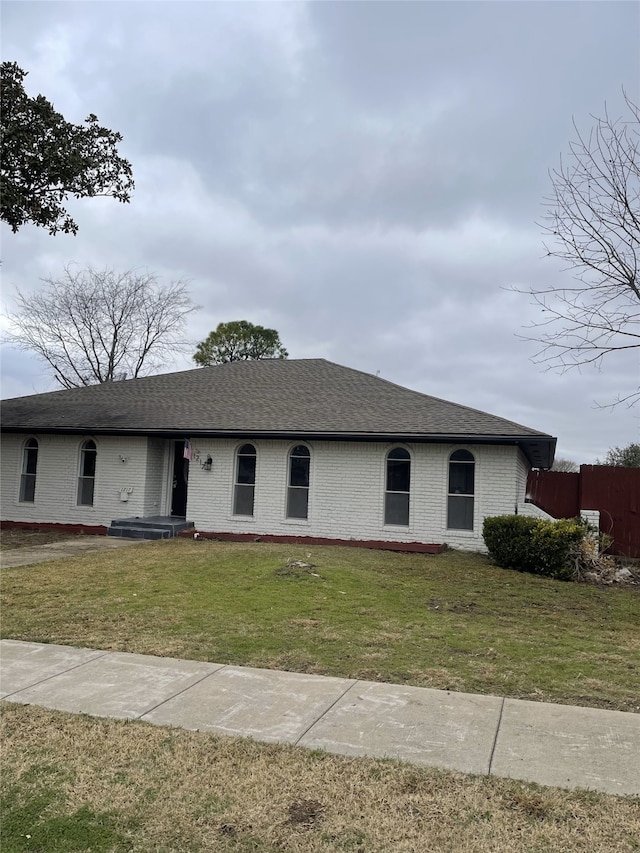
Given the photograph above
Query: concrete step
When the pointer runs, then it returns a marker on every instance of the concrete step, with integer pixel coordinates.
(174, 524)
(126, 532)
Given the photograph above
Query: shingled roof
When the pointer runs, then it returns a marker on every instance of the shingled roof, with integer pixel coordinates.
(305, 398)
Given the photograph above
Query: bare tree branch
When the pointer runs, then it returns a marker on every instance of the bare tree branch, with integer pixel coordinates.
(567, 466)
(91, 326)
(593, 224)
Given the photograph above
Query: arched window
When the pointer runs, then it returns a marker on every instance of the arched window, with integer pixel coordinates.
(29, 467)
(398, 480)
(87, 473)
(245, 480)
(461, 490)
(298, 490)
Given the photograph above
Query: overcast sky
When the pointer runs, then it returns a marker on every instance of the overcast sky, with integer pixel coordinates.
(365, 177)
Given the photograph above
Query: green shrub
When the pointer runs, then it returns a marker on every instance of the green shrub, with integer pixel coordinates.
(508, 538)
(534, 545)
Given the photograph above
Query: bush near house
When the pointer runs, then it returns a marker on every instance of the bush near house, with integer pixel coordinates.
(534, 545)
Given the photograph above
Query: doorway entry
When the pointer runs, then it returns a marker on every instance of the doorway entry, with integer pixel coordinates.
(180, 481)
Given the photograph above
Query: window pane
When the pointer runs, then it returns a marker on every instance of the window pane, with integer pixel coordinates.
(247, 470)
(85, 491)
(27, 488)
(30, 460)
(29, 467)
(399, 453)
(461, 478)
(89, 463)
(462, 456)
(299, 472)
(398, 475)
(297, 503)
(243, 500)
(460, 512)
(396, 509)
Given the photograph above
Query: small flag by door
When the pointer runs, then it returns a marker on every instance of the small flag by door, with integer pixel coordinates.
(187, 449)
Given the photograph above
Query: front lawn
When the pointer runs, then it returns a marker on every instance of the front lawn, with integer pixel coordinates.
(451, 621)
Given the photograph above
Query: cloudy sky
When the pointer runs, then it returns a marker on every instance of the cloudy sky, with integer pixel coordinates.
(365, 177)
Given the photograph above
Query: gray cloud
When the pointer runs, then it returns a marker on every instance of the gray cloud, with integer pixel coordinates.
(364, 177)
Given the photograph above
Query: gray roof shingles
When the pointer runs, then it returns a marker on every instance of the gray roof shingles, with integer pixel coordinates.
(302, 397)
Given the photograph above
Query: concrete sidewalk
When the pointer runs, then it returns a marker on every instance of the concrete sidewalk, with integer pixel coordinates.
(550, 744)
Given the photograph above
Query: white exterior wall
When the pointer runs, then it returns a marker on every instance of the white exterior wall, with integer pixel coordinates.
(534, 511)
(155, 478)
(57, 479)
(346, 496)
(522, 473)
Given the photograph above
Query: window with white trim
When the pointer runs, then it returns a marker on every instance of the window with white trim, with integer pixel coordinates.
(87, 472)
(398, 482)
(461, 490)
(298, 489)
(29, 468)
(245, 481)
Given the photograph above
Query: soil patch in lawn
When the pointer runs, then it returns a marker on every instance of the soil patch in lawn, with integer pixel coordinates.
(22, 537)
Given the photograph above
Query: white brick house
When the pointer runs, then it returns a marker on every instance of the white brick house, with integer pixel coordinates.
(304, 449)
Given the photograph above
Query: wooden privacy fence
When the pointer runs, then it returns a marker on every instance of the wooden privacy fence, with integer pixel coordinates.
(613, 491)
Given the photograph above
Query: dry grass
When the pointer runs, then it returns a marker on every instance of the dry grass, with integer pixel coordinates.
(20, 537)
(77, 783)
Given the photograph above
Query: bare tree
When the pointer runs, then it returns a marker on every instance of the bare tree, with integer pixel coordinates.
(567, 466)
(593, 224)
(91, 326)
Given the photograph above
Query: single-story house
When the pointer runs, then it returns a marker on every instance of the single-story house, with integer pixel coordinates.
(305, 449)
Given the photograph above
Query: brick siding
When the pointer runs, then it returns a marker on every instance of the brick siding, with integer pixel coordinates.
(346, 497)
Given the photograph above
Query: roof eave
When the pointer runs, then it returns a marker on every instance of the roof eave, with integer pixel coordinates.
(538, 448)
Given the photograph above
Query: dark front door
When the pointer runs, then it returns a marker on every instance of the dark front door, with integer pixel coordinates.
(180, 480)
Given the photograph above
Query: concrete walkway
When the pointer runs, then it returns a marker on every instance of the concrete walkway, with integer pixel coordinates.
(550, 744)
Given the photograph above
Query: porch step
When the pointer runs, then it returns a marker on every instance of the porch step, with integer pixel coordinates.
(151, 527)
(138, 532)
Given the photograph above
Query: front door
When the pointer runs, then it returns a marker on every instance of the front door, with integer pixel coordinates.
(180, 481)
